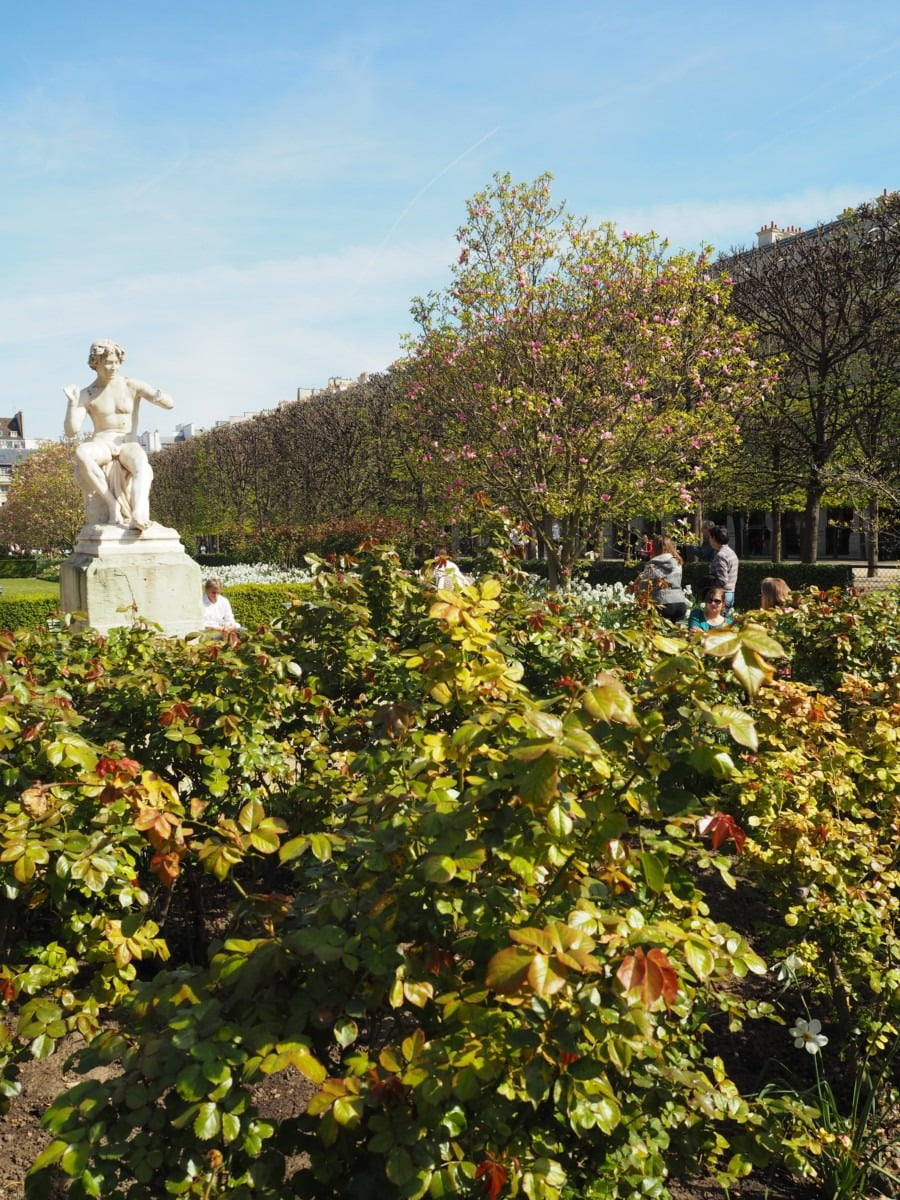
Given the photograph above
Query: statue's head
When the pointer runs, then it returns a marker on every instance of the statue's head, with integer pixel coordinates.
(105, 350)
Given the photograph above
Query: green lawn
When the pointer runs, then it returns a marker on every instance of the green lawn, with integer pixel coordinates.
(28, 587)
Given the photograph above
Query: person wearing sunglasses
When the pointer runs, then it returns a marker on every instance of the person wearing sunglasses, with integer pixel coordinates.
(712, 615)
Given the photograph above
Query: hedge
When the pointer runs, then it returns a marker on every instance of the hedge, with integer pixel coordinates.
(257, 604)
(823, 575)
(18, 568)
(27, 612)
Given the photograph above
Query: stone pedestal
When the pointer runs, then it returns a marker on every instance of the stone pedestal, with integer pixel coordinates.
(117, 576)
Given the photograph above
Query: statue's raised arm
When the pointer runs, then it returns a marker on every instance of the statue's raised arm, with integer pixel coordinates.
(111, 467)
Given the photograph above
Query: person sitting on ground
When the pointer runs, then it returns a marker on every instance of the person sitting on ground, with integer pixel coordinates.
(775, 593)
(661, 579)
(217, 612)
(443, 572)
(723, 568)
(712, 615)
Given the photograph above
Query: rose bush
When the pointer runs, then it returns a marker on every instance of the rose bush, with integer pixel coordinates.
(476, 847)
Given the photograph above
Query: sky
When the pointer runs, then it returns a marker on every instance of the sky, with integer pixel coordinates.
(247, 196)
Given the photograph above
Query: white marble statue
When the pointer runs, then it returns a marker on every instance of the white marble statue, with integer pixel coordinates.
(111, 467)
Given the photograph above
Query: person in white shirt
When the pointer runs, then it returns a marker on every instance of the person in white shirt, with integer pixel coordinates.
(217, 612)
(443, 572)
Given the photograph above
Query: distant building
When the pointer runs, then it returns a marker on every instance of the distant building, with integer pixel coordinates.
(156, 441)
(335, 384)
(153, 442)
(13, 446)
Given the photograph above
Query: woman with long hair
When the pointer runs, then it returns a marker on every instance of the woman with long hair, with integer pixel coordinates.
(774, 593)
(660, 580)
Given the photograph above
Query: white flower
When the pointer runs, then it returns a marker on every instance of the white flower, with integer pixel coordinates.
(808, 1034)
(789, 968)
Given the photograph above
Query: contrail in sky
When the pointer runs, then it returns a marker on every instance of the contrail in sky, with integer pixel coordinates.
(431, 182)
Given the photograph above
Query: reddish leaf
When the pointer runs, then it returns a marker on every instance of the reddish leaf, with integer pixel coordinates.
(720, 827)
(493, 1175)
(118, 766)
(166, 867)
(508, 970)
(160, 827)
(652, 975)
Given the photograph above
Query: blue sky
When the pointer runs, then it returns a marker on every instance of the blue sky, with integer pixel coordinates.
(247, 195)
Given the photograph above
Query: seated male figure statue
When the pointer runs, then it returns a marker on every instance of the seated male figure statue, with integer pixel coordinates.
(111, 467)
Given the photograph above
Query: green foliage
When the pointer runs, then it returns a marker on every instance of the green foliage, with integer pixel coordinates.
(823, 576)
(44, 509)
(316, 475)
(469, 850)
(257, 604)
(573, 374)
(18, 568)
(27, 612)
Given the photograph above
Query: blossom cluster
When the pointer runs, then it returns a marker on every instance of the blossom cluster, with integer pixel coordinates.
(259, 573)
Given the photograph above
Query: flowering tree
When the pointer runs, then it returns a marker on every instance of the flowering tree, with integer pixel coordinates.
(45, 508)
(572, 374)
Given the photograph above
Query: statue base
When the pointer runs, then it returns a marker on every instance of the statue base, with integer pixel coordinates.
(117, 577)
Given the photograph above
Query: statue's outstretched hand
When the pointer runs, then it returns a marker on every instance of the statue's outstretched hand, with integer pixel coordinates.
(72, 393)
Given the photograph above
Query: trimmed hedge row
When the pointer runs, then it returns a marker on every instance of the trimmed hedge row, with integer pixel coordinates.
(18, 568)
(27, 612)
(253, 604)
(257, 604)
(796, 574)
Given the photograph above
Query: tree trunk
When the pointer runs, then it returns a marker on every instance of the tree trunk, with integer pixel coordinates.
(809, 539)
(872, 538)
(777, 542)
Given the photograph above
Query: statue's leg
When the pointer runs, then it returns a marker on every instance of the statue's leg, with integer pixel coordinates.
(135, 460)
(90, 460)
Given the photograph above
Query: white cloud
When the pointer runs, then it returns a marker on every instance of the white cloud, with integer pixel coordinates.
(221, 340)
(690, 224)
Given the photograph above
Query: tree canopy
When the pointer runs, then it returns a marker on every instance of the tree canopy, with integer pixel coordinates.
(825, 305)
(573, 374)
(44, 509)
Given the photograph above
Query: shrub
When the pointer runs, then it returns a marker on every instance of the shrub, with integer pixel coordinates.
(491, 946)
(752, 572)
(27, 612)
(18, 568)
(256, 604)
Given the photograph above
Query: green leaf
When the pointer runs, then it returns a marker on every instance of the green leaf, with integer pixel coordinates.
(439, 868)
(545, 976)
(399, 1168)
(231, 1126)
(654, 870)
(346, 1031)
(739, 724)
(540, 783)
(294, 848)
(609, 701)
(607, 1113)
(751, 670)
(348, 1110)
(51, 1155)
(207, 1121)
(700, 958)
